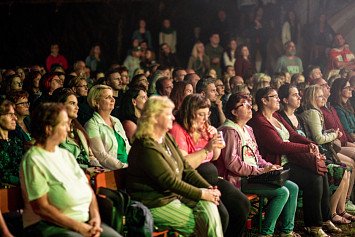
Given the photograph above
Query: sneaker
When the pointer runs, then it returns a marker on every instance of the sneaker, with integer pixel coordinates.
(349, 206)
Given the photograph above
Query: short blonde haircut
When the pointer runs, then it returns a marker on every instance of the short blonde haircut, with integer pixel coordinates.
(152, 109)
(94, 94)
(309, 97)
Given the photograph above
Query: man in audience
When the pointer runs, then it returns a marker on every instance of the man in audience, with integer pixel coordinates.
(162, 71)
(56, 58)
(214, 51)
(314, 74)
(79, 68)
(192, 78)
(113, 79)
(341, 56)
(125, 79)
(207, 88)
(164, 86)
(235, 81)
(179, 74)
(289, 62)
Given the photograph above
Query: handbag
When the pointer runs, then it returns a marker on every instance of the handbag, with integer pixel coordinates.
(271, 179)
(308, 161)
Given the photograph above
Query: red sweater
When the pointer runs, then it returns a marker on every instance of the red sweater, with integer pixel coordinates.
(271, 145)
(332, 121)
(60, 59)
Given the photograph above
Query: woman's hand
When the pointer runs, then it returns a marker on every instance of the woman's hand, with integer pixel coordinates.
(313, 149)
(212, 195)
(211, 130)
(339, 134)
(96, 226)
(216, 142)
(87, 230)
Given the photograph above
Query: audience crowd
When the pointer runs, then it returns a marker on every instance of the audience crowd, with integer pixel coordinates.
(186, 133)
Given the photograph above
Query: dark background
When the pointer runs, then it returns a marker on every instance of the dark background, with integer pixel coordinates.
(27, 28)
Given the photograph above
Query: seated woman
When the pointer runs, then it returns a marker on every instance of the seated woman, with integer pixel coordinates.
(57, 196)
(340, 93)
(131, 108)
(200, 144)
(22, 111)
(313, 119)
(79, 85)
(284, 146)
(290, 99)
(180, 90)
(159, 177)
(77, 141)
(235, 162)
(11, 148)
(108, 139)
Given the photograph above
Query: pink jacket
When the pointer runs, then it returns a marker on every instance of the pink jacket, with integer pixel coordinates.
(230, 164)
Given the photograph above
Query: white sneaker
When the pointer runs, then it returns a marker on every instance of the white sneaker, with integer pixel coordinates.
(349, 206)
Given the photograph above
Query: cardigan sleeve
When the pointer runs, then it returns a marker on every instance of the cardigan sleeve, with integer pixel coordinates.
(98, 148)
(313, 120)
(270, 140)
(162, 174)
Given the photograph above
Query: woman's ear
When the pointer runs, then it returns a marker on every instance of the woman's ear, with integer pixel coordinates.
(235, 112)
(134, 102)
(285, 100)
(48, 130)
(263, 100)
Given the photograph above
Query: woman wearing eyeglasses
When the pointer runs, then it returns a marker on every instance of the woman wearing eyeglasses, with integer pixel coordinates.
(22, 105)
(280, 144)
(200, 143)
(241, 157)
(340, 94)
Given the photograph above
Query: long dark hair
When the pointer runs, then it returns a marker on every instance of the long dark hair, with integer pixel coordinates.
(61, 95)
(187, 112)
(177, 93)
(335, 94)
(127, 110)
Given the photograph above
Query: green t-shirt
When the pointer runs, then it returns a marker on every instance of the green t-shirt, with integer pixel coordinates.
(58, 175)
(121, 149)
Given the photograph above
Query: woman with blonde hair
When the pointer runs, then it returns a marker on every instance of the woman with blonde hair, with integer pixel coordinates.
(199, 61)
(108, 139)
(159, 177)
(312, 116)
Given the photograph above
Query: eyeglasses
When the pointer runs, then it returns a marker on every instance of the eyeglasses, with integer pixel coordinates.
(244, 104)
(25, 104)
(221, 85)
(273, 96)
(11, 115)
(58, 81)
(204, 114)
(348, 88)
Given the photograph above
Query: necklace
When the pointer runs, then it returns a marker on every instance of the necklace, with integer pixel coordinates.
(168, 151)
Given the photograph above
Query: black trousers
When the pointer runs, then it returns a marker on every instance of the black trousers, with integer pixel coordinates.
(316, 203)
(234, 205)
